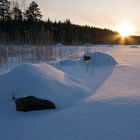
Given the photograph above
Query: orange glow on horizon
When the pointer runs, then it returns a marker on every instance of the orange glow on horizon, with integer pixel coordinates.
(125, 29)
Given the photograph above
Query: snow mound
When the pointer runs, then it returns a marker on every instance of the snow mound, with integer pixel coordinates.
(100, 58)
(67, 62)
(133, 47)
(59, 45)
(41, 80)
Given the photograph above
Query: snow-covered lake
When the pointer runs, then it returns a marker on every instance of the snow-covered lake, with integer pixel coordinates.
(12, 55)
(102, 103)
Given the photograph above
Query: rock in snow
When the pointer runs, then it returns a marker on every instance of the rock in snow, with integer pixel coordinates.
(31, 103)
(99, 58)
(133, 47)
(109, 110)
(43, 81)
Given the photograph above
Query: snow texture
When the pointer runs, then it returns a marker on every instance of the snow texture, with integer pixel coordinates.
(103, 104)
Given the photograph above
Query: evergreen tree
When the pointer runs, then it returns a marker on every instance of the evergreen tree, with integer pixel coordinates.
(17, 14)
(33, 12)
(4, 10)
(68, 32)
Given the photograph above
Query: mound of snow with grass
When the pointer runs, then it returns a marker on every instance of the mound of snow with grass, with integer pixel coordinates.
(43, 81)
(99, 58)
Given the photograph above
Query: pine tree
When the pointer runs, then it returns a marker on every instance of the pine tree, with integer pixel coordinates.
(17, 14)
(4, 10)
(33, 12)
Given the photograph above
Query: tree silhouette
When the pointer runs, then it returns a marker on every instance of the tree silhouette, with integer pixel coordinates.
(17, 14)
(4, 10)
(28, 28)
(33, 12)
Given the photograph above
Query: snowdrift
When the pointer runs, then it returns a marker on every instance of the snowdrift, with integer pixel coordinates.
(110, 111)
(100, 58)
(41, 80)
(67, 62)
(62, 63)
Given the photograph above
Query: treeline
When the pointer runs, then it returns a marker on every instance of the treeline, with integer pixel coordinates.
(25, 26)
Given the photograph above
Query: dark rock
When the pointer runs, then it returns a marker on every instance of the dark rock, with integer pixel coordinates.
(134, 47)
(86, 58)
(31, 103)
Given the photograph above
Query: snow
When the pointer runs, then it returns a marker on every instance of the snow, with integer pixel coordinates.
(133, 47)
(100, 104)
(100, 58)
(44, 81)
(62, 63)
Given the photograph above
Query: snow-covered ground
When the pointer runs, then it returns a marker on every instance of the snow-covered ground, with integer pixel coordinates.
(100, 102)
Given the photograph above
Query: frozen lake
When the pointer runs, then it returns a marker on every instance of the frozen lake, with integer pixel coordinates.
(11, 55)
(103, 104)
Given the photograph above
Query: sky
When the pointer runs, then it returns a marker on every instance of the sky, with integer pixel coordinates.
(97, 13)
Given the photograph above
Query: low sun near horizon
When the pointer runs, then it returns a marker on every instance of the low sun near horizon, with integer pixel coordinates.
(98, 13)
(125, 29)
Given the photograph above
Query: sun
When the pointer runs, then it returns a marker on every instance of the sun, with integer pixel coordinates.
(125, 29)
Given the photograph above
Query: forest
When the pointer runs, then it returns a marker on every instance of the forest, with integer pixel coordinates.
(25, 26)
